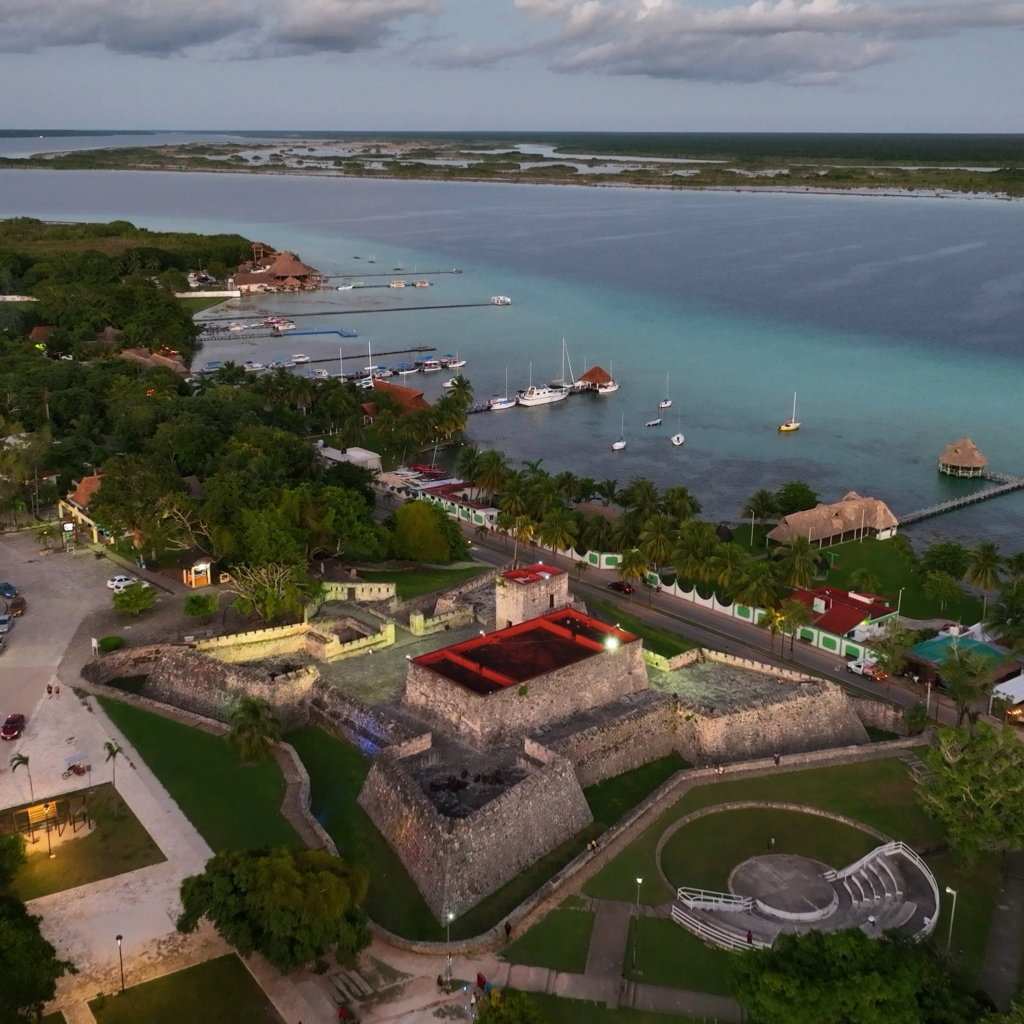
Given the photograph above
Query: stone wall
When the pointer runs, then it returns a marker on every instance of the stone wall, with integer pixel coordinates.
(516, 710)
(880, 714)
(348, 719)
(440, 601)
(457, 862)
(205, 686)
(420, 625)
(302, 637)
(131, 661)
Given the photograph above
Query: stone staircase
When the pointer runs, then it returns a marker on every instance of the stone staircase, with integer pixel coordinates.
(349, 986)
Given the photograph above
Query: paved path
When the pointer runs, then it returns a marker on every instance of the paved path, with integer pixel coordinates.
(608, 939)
(1001, 970)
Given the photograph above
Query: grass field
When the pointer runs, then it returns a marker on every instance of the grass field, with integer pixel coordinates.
(893, 573)
(560, 941)
(703, 853)
(657, 639)
(117, 843)
(197, 305)
(233, 804)
(219, 991)
(337, 772)
(668, 955)
(53, 1018)
(555, 1010)
(413, 582)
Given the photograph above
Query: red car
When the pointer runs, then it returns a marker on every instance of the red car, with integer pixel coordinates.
(622, 588)
(13, 727)
(17, 606)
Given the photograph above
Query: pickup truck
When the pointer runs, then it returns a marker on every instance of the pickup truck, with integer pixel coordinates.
(866, 667)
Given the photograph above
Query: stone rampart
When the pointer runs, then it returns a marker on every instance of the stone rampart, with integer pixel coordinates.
(880, 714)
(348, 719)
(447, 596)
(512, 712)
(131, 661)
(302, 637)
(420, 625)
(457, 862)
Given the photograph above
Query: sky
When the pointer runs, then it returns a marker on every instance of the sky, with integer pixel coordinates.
(514, 65)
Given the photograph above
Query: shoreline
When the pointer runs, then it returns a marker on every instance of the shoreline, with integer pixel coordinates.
(859, 191)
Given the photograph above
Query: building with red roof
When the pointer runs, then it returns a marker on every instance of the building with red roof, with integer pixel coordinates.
(837, 614)
(528, 593)
(408, 399)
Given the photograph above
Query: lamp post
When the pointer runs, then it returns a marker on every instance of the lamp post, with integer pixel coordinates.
(49, 848)
(899, 602)
(120, 959)
(448, 966)
(952, 915)
(636, 932)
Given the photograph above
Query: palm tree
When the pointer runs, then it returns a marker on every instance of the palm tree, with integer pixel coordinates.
(695, 552)
(468, 463)
(658, 539)
(890, 650)
(797, 564)
(968, 677)
(1005, 619)
(680, 504)
(585, 487)
(1015, 565)
(461, 389)
(606, 491)
(625, 530)
(542, 496)
(582, 565)
(254, 727)
(114, 750)
(795, 615)
(513, 495)
(597, 534)
(865, 581)
(762, 506)
(17, 760)
(523, 529)
(557, 530)
(450, 415)
(772, 620)
(505, 523)
(632, 565)
(491, 472)
(532, 467)
(640, 496)
(983, 570)
(727, 565)
(758, 586)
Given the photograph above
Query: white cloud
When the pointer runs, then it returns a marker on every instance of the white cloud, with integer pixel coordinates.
(254, 28)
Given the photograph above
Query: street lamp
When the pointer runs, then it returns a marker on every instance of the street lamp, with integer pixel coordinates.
(49, 849)
(899, 602)
(952, 915)
(636, 932)
(120, 959)
(448, 967)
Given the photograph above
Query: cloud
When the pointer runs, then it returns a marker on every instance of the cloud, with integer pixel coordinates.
(797, 41)
(252, 28)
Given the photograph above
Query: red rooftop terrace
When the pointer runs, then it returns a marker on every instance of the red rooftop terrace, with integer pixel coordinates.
(532, 573)
(516, 655)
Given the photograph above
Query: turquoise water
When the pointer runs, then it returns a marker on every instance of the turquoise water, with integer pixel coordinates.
(897, 321)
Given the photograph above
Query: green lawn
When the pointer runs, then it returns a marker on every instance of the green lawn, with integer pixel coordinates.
(413, 582)
(880, 735)
(53, 1018)
(337, 772)
(129, 684)
(555, 1010)
(881, 558)
(878, 793)
(656, 638)
(703, 853)
(561, 942)
(117, 843)
(669, 955)
(199, 304)
(233, 804)
(219, 991)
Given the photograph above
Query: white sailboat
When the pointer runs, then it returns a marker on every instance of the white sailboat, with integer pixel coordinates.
(617, 446)
(667, 403)
(656, 422)
(497, 403)
(570, 384)
(677, 438)
(610, 386)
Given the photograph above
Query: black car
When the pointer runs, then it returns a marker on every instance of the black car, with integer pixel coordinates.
(622, 588)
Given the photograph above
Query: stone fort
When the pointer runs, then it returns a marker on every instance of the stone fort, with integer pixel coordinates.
(479, 770)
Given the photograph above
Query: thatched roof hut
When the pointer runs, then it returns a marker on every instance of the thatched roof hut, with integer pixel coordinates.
(849, 519)
(596, 375)
(962, 458)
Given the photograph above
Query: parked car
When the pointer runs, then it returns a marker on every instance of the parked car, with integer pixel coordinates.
(8, 590)
(866, 667)
(17, 606)
(6, 622)
(622, 588)
(122, 587)
(121, 581)
(13, 727)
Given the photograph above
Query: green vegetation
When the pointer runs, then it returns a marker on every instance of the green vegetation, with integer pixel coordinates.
(669, 955)
(419, 580)
(555, 1010)
(219, 991)
(703, 853)
(197, 305)
(879, 735)
(130, 684)
(425, 531)
(117, 843)
(234, 805)
(30, 965)
(53, 1018)
(560, 942)
(337, 772)
(656, 638)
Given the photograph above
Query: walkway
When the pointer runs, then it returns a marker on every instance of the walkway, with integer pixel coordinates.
(1001, 970)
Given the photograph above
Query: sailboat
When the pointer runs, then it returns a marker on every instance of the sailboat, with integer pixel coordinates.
(617, 446)
(792, 423)
(497, 403)
(570, 384)
(667, 403)
(677, 438)
(656, 422)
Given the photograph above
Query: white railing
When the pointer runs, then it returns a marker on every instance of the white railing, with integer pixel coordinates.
(708, 899)
(715, 934)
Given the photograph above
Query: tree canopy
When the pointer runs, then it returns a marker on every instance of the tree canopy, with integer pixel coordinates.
(289, 903)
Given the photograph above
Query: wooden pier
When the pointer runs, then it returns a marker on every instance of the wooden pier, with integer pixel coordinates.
(240, 314)
(1004, 485)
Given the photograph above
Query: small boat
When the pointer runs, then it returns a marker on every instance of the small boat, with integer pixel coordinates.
(236, 327)
(617, 446)
(372, 259)
(397, 284)
(792, 423)
(404, 369)
(450, 383)
(677, 438)
(399, 268)
(430, 365)
(666, 403)
(357, 257)
(497, 403)
(318, 374)
(422, 284)
(541, 395)
(298, 357)
(653, 423)
(610, 386)
(497, 300)
(570, 384)
(253, 367)
(211, 367)
(345, 287)
(450, 362)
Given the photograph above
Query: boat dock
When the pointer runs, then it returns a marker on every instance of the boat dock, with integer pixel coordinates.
(357, 312)
(1004, 485)
(384, 273)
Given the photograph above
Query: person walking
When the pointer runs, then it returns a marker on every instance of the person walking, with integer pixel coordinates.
(508, 931)
(771, 845)
(56, 689)
(776, 757)
(750, 938)
(49, 691)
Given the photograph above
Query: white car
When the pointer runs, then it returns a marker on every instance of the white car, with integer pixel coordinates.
(122, 587)
(121, 581)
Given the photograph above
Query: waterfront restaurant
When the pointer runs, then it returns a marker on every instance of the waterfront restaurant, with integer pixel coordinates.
(962, 458)
(850, 519)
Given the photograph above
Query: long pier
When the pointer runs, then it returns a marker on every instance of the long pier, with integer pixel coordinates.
(1004, 485)
(359, 312)
(384, 273)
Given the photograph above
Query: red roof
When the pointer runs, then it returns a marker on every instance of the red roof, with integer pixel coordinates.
(596, 375)
(532, 573)
(455, 492)
(85, 489)
(512, 656)
(408, 399)
(41, 333)
(842, 611)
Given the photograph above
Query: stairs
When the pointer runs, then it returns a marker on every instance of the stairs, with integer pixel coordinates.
(350, 986)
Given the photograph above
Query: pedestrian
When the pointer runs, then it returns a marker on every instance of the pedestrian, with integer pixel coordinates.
(49, 691)
(776, 757)
(342, 1013)
(472, 1002)
(508, 930)
(56, 690)
(750, 938)
(321, 568)
(771, 843)
(440, 982)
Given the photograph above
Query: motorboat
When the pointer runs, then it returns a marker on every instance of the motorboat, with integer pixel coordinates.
(396, 284)
(450, 362)
(430, 365)
(617, 446)
(345, 287)
(252, 367)
(450, 383)
(792, 423)
(298, 357)
(404, 369)
(498, 300)
(212, 366)
(608, 388)
(653, 423)
(541, 395)
(318, 374)
(666, 402)
(422, 284)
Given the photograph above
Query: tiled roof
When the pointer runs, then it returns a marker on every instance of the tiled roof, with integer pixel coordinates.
(85, 489)
(843, 610)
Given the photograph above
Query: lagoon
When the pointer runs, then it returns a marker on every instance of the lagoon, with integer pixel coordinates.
(896, 320)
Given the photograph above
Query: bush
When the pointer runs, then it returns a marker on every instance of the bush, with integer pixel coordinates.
(106, 644)
(135, 599)
(917, 719)
(201, 606)
(12, 857)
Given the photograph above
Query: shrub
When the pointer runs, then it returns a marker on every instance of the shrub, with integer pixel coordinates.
(201, 606)
(106, 644)
(917, 719)
(135, 599)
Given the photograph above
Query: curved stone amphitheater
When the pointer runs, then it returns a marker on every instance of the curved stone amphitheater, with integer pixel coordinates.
(889, 888)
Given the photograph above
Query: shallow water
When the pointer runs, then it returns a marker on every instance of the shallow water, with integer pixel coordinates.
(897, 321)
